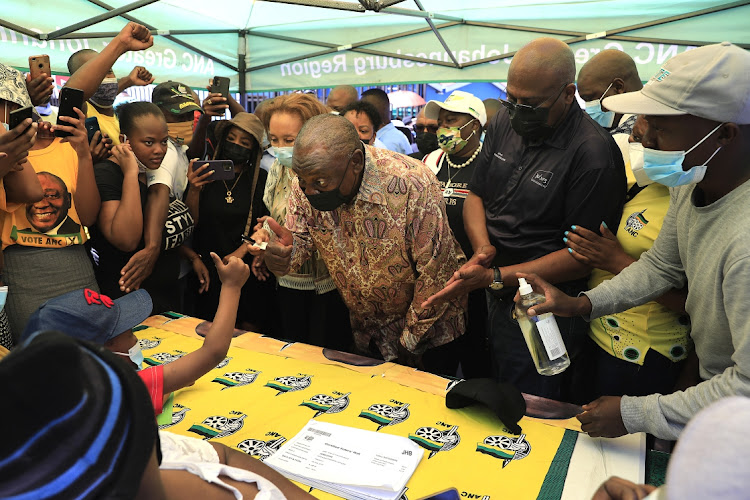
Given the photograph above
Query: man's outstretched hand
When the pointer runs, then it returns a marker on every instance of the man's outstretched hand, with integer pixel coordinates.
(278, 253)
(471, 276)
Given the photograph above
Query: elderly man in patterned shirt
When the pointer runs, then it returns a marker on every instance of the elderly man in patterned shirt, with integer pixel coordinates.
(378, 220)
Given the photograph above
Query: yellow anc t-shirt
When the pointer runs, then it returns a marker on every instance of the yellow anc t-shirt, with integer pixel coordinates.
(107, 124)
(53, 221)
(630, 334)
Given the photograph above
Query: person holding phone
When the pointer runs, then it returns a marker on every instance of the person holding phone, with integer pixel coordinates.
(92, 72)
(120, 232)
(18, 181)
(311, 308)
(39, 81)
(43, 238)
(225, 211)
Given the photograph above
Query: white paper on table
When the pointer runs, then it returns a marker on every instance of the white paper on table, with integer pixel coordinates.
(344, 455)
(594, 460)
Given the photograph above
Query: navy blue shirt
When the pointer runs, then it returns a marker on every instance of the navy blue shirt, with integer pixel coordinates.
(534, 191)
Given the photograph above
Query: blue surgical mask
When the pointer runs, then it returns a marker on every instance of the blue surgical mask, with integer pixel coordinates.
(3, 296)
(594, 110)
(284, 155)
(135, 354)
(665, 167)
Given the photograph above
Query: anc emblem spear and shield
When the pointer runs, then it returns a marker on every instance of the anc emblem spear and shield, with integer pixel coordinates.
(177, 416)
(435, 440)
(237, 379)
(385, 415)
(323, 403)
(261, 449)
(219, 426)
(506, 448)
(163, 358)
(289, 384)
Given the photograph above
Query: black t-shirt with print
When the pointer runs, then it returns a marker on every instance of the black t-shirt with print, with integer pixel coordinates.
(109, 260)
(455, 195)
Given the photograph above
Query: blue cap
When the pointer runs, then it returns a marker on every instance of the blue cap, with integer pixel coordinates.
(88, 315)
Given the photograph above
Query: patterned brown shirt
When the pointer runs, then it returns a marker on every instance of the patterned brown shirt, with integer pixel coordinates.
(387, 251)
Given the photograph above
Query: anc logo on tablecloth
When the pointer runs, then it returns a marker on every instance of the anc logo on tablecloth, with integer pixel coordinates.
(261, 449)
(219, 426)
(385, 414)
(178, 414)
(325, 403)
(506, 448)
(237, 379)
(163, 358)
(289, 383)
(435, 440)
(224, 362)
(149, 343)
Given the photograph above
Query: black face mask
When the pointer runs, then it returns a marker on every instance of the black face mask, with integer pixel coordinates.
(531, 123)
(327, 201)
(427, 142)
(238, 154)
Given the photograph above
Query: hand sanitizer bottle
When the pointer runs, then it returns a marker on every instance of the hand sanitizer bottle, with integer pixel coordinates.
(541, 333)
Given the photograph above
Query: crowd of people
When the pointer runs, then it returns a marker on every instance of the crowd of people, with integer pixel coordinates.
(628, 214)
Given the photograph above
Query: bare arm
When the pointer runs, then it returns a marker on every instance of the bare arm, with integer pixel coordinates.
(121, 221)
(189, 368)
(87, 199)
(475, 223)
(22, 186)
(140, 265)
(139, 76)
(89, 76)
(235, 458)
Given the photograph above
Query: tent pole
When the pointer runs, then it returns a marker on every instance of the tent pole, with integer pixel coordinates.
(101, 17)
(242, 67)
(19, 29)
(439, 37)
(103, 5)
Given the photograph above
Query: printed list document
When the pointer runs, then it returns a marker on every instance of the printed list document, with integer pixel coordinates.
(348, 462)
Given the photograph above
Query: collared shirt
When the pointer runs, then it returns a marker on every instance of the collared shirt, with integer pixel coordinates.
(387, 251)
(534, 191)
(394, 139)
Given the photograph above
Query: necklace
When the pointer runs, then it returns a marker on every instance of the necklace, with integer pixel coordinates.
(471, 158)
(229, 198)
(448, 191)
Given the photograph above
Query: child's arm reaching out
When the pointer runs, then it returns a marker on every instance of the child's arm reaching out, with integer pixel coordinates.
(186, 370)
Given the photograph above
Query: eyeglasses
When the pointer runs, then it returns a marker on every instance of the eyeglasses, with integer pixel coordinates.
(426, 128)
(513, 107)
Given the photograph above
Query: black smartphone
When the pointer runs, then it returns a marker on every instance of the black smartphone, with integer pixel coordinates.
(16, 117)
(92, 127)
(223, 170)
(220, 85)
(69, 98)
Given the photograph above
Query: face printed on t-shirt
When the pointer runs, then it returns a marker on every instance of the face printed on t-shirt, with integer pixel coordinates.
(52, 209)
